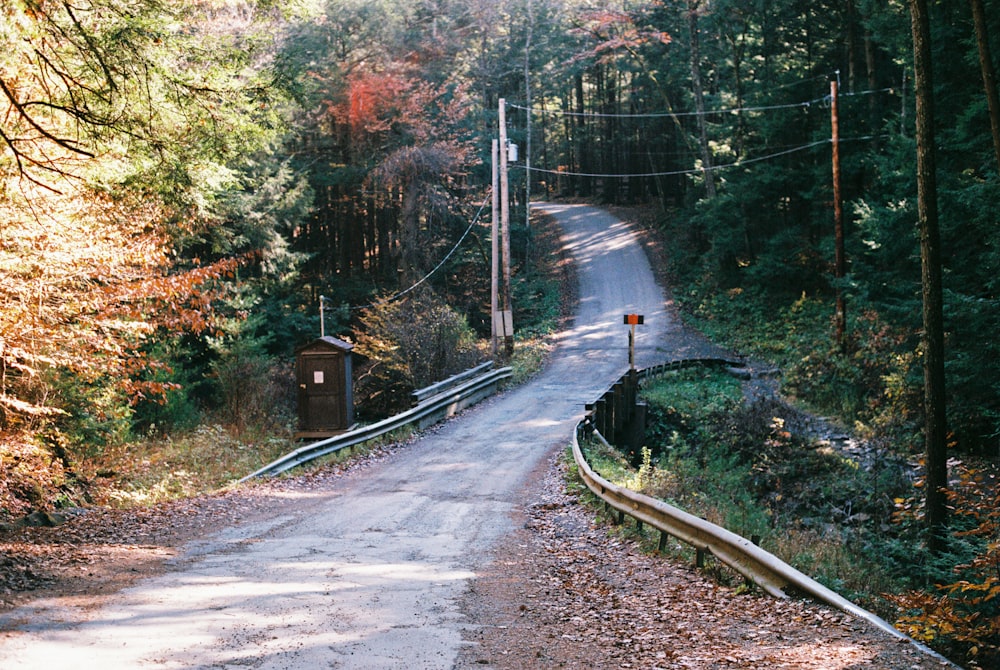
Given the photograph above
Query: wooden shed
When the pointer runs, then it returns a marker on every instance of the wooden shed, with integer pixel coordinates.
(326, 394)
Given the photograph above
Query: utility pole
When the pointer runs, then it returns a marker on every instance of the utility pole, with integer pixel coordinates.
(840, 263)
(494, 281)
(505, 307)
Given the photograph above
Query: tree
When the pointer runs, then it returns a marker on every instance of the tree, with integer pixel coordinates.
(125, 145)
(694, 7)
(988, 73)
(935, 429)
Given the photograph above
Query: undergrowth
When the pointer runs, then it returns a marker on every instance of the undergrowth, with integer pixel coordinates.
(852, 523)
(739, 467)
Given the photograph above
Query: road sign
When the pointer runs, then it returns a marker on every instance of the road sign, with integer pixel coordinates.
(633, 319)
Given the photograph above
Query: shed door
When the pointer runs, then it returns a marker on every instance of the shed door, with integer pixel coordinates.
(321, 392)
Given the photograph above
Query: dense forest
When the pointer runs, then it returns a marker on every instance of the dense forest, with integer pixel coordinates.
(183, 179)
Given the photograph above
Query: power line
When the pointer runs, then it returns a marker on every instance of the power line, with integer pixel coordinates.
(731, 110)
(437, 267)
(656, 115)
(684, 172)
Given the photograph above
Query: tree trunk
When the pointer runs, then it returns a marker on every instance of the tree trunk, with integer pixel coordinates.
(989, 73)
(935, 429)
(583, 188)
(699, 99)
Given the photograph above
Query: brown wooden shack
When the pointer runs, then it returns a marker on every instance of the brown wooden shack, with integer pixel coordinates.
(326, 394)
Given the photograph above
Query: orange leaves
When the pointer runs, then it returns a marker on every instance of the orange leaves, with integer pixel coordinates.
(966, 610)
(931, 617)
(83, 285)
(175, 301)
(373, 104)
(614, 31)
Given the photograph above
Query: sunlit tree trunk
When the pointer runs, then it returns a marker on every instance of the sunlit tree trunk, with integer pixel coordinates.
(694, 6)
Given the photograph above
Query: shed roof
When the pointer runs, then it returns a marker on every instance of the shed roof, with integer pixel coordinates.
(327, 342)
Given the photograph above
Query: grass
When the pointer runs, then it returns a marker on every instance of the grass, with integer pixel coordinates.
(200, 461)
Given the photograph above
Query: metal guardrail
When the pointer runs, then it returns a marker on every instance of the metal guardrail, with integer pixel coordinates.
(773, 575)
(448, 398)
(420, 395)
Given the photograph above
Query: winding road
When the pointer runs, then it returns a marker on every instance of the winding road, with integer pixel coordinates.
(370, 575)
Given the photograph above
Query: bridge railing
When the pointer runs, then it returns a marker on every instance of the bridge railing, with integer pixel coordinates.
(774, 576)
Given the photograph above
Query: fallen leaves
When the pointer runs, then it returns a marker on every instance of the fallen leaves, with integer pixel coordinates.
(568, 592)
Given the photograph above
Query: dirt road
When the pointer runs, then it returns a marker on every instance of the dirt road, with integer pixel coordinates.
(369, 575)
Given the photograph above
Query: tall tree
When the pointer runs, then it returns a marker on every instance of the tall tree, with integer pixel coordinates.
(989, 73)
(935, 429)
(694, 7)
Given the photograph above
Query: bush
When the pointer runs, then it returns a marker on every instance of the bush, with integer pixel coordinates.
(406, 345)
(254, 391)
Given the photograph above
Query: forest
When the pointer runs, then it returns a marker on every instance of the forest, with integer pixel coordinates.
(181, 180)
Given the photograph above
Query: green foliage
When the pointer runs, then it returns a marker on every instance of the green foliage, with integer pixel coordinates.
(254, 392)
(405, 345)
(95, 414)
(538, 303)
(740, 465)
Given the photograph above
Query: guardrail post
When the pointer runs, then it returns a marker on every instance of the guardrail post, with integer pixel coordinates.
(601, 416)
(618, 398)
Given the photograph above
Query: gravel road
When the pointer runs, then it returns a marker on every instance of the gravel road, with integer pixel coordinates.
(370, 574)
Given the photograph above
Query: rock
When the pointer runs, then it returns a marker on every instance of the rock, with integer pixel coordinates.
(42, 520)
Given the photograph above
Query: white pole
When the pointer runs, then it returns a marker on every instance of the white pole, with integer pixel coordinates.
(322, 325)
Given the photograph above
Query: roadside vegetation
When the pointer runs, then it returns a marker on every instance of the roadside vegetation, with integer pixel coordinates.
(181, 183)
(848, 518)
(948, 597)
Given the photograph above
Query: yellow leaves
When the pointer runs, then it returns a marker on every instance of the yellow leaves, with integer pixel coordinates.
(28, 409)
(83, 282)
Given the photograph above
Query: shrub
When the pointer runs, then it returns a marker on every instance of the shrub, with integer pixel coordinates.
(254, 391)
(406, 345)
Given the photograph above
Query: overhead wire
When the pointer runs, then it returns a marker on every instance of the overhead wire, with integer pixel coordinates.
(798, 105)
(656, 115)
(683, 172)
(437, 267)
(708, 112)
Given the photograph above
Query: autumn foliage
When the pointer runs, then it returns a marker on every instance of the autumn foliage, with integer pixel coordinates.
(962, 613)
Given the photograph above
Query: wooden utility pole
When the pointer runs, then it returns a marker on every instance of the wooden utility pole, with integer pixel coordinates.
(495, 269)
(505, 312)
(840, 263)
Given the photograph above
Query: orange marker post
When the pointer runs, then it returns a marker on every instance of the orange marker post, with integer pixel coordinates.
(632, 320)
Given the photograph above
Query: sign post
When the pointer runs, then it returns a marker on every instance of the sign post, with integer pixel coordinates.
(632, 320)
